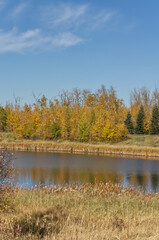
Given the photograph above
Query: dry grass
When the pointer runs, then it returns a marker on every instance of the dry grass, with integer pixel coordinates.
(145, 140)
(100, 211)
(136, 145)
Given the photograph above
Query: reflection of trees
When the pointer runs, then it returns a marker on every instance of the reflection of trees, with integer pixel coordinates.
(132, 180)
(66, 175)
(154, 182)
(142, 180)
(69, 176)
(139, 180)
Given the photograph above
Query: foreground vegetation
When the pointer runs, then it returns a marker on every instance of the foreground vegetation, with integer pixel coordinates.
(100, 211)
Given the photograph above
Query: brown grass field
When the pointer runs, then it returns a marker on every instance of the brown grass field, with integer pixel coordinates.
(87, 212)
(134, 145)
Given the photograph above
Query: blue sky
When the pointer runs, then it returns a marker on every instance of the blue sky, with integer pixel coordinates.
(50, 45)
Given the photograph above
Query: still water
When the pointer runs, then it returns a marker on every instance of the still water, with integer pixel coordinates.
(34, 168)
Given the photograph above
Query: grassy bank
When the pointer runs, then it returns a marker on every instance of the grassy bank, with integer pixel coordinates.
(101, 211)
(134, 145)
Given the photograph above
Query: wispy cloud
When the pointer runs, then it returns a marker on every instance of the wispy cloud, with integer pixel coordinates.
(55, 25)
(13, 41)
(68, 14)
(102, 18)
(19, 9)
(66, 40)
(65, 14)
(75, 17)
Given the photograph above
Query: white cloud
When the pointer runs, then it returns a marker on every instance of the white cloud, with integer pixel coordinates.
(65, 14)
(102, 18)
(13, 41)
(62, 26)
(66, 40)
(76, 17)
(18, 9)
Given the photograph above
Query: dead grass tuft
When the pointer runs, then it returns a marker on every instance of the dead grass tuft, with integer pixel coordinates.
(41, 223)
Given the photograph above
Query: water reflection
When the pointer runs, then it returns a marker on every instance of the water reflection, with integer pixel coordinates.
(34, 168)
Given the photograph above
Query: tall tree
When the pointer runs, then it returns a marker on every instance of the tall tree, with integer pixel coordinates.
(3, 119)
(154, 126)
(129, 124)
(139, 129)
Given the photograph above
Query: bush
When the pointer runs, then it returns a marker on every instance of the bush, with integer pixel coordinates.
(6, 178)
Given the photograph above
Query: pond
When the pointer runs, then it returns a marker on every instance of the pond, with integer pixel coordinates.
(34, 168)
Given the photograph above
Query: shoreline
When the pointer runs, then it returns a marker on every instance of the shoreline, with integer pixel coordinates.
(85, 148)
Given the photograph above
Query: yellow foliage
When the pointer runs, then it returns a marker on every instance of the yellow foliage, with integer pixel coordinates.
(95, 116)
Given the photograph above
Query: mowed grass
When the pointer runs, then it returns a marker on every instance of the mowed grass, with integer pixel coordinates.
(100, 211)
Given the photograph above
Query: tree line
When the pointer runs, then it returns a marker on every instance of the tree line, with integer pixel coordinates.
(82, 115)
(139, 126)
(143, 113)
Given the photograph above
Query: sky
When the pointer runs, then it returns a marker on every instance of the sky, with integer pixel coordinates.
(47, 46)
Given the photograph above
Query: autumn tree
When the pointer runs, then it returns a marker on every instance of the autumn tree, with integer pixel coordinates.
(77, 115)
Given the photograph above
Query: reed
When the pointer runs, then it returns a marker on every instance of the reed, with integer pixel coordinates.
(130, 147)
(99, 211)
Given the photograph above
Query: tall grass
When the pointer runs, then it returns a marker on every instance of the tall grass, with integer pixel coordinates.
(135, 146)
(100, 211)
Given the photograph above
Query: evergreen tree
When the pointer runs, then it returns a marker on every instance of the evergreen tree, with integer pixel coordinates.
(129, 124)
(139, 129)
(154, 126)
(3, 119)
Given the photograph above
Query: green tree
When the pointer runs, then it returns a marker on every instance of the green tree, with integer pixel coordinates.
(83, 132)
(55, 130)
(3, 119)
(139, 129)
(154, 126)
(129, 124)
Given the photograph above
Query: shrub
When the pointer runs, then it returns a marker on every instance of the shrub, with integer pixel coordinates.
(6, 178)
